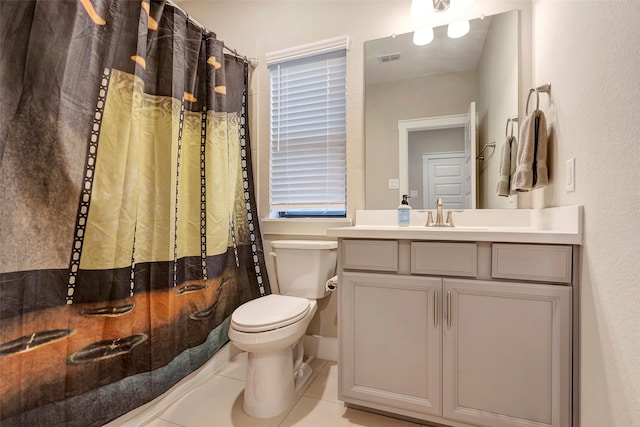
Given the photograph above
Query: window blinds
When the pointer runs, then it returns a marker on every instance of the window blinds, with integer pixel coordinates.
(308, 133)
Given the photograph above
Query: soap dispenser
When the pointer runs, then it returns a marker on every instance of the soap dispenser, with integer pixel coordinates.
(404, 212)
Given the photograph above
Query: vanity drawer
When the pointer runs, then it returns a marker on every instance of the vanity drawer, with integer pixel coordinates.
(444, 259)
(542, 263)
(378, 255)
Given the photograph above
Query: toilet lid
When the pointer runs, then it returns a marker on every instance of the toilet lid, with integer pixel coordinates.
(269, 312)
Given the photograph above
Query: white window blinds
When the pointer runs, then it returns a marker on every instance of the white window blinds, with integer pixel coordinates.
(308, 134)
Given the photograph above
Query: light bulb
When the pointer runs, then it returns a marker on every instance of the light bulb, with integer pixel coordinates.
(423, 36)
(458, 29)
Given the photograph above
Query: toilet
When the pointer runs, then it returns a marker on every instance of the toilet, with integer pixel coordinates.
(270, 328)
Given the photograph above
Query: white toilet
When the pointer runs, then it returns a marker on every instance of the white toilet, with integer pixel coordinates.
(270, 329)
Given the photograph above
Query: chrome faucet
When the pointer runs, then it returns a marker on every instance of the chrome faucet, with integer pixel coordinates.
(439, 222)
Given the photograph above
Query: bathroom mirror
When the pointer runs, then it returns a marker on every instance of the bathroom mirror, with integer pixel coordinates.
(435, 83)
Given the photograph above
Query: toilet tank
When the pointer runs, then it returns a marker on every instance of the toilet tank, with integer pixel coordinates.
(304, 266)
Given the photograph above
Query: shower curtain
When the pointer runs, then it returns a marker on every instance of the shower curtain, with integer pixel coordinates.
(128, 226)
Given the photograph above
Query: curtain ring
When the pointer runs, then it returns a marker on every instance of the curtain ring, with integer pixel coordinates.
(529, 97)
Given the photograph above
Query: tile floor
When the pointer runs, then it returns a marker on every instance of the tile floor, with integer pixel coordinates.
(218, 403)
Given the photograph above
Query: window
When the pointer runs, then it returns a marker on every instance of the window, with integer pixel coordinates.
(308, 130)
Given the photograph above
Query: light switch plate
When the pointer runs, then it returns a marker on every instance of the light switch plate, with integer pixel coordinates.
(413, 193)
(393, 184)
(570, 171)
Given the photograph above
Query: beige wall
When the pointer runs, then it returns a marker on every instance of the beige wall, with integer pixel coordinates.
(588, 50)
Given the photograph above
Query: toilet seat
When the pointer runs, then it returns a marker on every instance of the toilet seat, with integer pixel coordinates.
(269, 312)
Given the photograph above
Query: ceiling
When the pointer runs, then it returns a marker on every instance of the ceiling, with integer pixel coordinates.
(442, 55)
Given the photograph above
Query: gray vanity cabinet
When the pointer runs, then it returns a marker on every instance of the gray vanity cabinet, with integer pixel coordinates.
(462, 351)
(507, 353)
(391, 341)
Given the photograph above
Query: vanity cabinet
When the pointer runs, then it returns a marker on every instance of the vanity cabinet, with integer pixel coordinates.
(506, 353)
(430, 339)
(391, 341)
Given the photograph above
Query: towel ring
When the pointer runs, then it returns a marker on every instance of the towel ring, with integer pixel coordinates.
(506, 130)
(529, 97)
(546, 88)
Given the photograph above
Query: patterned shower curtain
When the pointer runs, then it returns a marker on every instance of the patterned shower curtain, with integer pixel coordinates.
(128, 226)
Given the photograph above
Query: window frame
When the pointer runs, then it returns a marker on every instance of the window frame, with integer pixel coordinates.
(305, 53)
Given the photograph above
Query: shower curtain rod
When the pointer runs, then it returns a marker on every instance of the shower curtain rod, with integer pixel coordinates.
(253, 62)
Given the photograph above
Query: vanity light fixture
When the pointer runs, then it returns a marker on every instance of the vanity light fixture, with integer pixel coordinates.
(441, 5)
(423, 36)
(420, 9)
(458, 29)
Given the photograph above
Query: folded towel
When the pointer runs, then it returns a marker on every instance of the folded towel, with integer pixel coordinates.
(507, 167)
(531, 160)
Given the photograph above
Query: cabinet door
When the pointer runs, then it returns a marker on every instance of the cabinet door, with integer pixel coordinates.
(507, 354)
(390, 341)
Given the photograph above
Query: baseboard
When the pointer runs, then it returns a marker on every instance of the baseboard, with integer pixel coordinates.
(325, 348)
(150, 410)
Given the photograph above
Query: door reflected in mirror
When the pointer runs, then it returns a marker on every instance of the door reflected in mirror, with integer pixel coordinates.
(438, 172)
(406, 84)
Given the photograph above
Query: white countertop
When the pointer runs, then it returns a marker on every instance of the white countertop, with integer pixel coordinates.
(562, 225)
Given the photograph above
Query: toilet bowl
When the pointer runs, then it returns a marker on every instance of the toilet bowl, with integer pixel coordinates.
(270, 383)
(270, 328)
